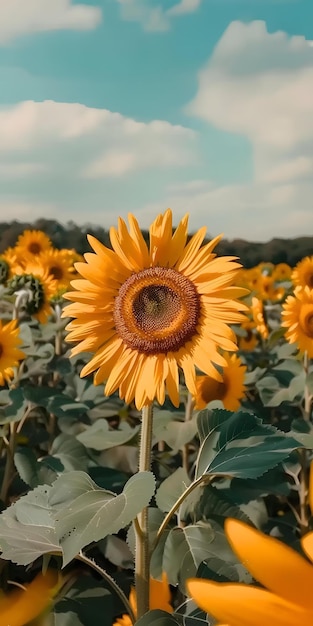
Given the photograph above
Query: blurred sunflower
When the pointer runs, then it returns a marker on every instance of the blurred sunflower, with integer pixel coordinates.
(4, 270)
(258, 317)
(10, 354)
(160, 597)
(302, 274)
(34, 288)
(147, 311)
(22, 606)
(287, 577)
(32, 242)
(249, 341)
(253, 279)
(58, 266)
(282, 272)
(230, 391)
(297, 317)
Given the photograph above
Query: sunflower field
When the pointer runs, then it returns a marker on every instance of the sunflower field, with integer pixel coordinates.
(156, 433)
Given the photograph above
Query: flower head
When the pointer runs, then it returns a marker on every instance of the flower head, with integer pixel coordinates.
(34, 289)
(32, 243)
(230, 391)
(146, 311)
(10, 354)
(302, 275)
(287, 578)
(297, 317)
(257, 311)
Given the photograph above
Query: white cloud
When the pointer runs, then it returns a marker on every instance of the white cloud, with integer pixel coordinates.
(22, 17)
(155, 17)
(69, 155)
(260, 86)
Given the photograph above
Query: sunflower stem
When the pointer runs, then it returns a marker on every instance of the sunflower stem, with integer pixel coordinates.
(307, 395)
(142, 557)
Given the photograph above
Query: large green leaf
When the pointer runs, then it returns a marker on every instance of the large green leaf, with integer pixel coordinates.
(239, 444)
(172, 488)
(12, 405)
(100, 437)
(88, 602)
(70, 452)
(96, 513)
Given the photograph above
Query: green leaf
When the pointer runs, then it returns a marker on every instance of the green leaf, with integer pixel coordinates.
(214, 505)
(176, 433)
(88, 602)
(70, 452)
(97, 513)
(172, 488)
(184, 550)
(157, 618)
(25, 462)
(100, 437)
(238, 444)
(12, 405)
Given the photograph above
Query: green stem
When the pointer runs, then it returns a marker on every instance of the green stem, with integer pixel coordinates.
(113, 584)
(205, 478)
(307, 395)
(142, 557)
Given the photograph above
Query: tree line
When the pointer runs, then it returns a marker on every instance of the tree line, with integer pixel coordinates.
(70, 235)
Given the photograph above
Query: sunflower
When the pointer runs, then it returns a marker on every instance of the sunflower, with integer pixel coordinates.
(258, 317)
(230, 391)
(58, 265)
(249, 341)
(160, 597)
(147, 311)
(33, 243)
(297, 317)
(21, 606)
(285, 574)
(35, 288)
(282, 272)
(302, 275)
(10, 354)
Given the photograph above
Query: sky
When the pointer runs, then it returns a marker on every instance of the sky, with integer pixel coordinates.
(116, 106)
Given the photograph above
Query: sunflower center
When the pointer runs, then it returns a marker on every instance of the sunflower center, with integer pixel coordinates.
(56, 272)
(309, 280)
(211, 389)
(157, 310)
(34, 247)
(306, 319)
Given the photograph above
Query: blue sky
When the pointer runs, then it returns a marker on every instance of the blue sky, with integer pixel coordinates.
(111, 106)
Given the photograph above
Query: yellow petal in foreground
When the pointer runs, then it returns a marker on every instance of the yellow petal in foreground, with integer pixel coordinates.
(152, 302)
(244, 605)
(20, 607)
(286, 575)
(10, 354)
(160, 596)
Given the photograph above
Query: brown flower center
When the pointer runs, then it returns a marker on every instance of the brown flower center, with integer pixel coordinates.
(34, 247)
(210, 389)
(306, 319)
(1, 350)
(56, 272)
(309, 279)
(157, 310)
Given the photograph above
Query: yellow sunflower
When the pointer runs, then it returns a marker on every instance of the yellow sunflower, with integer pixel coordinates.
(58, 266)
(281, 272)
(145, 311)
(21, 606)
(32, 242)
(159, 598)
(35, 288)
(230, 391)
(258, 317)
(249, 341)
(297, 317)
(10, 354)
(287, 578)
(302, 274)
